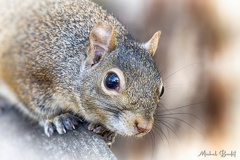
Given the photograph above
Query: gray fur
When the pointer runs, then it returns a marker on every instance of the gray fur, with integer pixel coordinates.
(43, 63)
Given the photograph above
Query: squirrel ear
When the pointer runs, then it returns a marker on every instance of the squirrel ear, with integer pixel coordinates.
(152, 44)
(102, 40)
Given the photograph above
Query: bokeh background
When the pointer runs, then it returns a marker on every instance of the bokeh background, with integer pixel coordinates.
(199, 58)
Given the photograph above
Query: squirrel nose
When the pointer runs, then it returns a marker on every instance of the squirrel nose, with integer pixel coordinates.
(143, 126)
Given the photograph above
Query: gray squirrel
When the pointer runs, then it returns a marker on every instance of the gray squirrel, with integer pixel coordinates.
(63, 59)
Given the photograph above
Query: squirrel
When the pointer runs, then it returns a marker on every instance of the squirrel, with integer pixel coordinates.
(62, 60)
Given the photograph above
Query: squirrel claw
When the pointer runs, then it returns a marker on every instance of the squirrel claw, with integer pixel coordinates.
(108, 136)
(96, 128)
(48, 128)
(61, 124)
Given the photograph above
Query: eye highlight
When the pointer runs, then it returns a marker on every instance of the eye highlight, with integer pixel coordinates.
(162, 91)
(112, 81)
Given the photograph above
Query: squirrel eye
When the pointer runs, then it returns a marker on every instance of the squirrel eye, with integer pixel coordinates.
(112, 81)
(162, 91)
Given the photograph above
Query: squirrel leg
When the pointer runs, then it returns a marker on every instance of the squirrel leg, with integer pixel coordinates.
(108, 136)
(60, 123)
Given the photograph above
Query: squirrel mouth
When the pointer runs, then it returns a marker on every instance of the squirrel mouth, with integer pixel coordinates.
(139, 135)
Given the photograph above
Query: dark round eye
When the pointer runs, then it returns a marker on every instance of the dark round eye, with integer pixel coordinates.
(162, 91)
(112, 81)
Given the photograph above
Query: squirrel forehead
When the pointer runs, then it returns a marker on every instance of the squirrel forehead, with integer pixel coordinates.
(135, 60)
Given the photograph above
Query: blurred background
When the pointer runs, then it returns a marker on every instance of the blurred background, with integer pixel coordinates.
(199, 58)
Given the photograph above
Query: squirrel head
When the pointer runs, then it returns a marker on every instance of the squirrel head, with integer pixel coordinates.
(121, 85)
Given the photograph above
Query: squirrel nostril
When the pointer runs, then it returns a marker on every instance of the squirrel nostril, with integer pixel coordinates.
(142, 127)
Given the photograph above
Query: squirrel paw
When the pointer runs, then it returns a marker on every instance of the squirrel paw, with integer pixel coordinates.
(61, 124)
(108, 136)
